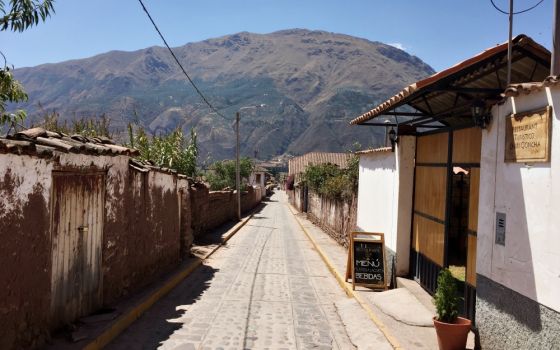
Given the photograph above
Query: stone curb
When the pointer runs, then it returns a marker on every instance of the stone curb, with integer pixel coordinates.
(124, 321)
(347, 286)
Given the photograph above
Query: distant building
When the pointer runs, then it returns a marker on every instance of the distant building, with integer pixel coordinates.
(258, 179)
(297, 166)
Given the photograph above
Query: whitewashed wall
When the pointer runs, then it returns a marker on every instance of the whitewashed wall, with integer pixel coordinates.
(385, 197)
(260, 184)
(529, 195)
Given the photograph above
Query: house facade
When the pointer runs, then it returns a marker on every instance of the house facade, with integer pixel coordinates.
(489, 219)
(518, 250)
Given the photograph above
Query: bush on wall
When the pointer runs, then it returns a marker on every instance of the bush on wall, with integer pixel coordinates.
(331, 181)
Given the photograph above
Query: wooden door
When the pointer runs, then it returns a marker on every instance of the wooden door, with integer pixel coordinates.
(77, 230)
(466, 153)
(438, 157)
(430, 198)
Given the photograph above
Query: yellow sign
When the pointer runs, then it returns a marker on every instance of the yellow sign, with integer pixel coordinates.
(528, 136)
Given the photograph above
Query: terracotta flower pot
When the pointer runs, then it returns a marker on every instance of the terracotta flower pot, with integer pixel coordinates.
(452, 336)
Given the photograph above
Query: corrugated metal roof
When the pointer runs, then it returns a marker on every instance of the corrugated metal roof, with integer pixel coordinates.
(438, 94)
(297, 165)
(40, 142)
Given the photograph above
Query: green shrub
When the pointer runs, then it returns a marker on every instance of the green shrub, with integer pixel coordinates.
(170, 151)
(446, 299)
(86, 126)
(222, 173)
(331, 181)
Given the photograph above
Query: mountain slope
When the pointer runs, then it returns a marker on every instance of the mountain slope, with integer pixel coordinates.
(311, 84)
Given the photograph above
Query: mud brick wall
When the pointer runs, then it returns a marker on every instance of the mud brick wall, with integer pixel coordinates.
(141, 235)
(250, 199)
(25, 256)
(141, 238)
(336, 217)
(185, 230)
(221, 208)
(199, 194)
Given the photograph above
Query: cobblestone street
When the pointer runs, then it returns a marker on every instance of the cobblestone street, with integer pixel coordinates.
(266, 288)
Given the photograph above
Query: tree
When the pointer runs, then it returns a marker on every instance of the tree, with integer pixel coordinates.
(18, 16)
(222, 173)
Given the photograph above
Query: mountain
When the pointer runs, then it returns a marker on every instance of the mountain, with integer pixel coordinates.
(307, 84)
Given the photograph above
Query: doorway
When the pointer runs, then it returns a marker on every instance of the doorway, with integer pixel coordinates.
(77, 232)
(457, 245)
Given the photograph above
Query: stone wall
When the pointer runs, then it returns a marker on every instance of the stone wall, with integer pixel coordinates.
(510, 320)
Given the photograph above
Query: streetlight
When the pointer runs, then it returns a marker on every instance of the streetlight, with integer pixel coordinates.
(237, 167)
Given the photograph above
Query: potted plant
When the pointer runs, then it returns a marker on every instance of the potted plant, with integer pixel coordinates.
(451, 330)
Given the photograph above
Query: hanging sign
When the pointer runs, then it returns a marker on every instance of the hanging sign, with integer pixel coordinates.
(366, 260)
(528, 136)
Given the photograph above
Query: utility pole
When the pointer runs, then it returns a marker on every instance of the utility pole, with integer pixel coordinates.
(237, 170)
(509, 42)
(555, 62)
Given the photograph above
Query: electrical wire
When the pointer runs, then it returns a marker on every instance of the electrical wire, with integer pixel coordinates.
(214, 109)
(518, 12)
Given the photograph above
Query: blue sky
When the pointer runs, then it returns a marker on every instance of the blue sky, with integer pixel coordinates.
(440, 32)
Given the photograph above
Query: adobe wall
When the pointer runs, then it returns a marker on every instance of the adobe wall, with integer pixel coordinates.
(336, 217)
(150, 218)
(141, 235)
(25, 275)
(221, 208)
(199, 196)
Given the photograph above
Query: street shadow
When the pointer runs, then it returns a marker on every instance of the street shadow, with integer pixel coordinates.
(166, 316)
(218, 234)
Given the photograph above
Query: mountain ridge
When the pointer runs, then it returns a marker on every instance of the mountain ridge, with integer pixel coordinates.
(311, 84)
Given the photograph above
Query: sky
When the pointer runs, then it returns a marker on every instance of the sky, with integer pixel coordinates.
(440, 32)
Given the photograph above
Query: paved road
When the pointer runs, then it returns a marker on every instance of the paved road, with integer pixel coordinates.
(266, 289)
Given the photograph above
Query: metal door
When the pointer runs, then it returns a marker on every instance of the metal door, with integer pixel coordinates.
(77, 230)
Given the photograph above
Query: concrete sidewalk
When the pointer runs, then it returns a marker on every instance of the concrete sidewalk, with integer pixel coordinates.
(403, 314)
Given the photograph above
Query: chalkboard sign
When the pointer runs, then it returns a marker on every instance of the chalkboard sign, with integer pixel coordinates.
(367, 259)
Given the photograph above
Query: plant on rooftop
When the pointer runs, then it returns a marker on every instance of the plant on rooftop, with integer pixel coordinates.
(172, 151)
(85, 126)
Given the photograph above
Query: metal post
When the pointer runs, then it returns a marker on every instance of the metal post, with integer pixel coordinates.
(555, 62)
(509, 42)
(237, 184)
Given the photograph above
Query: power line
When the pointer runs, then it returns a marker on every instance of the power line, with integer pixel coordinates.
(214, 109)
(518, 12)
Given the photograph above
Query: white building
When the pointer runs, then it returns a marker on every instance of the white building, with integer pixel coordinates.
(518, 269)
(474, 189)
(257, 179)
(385, 198)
